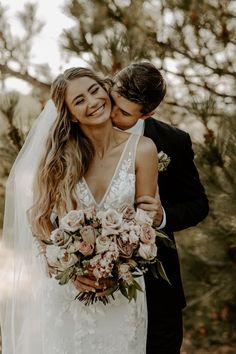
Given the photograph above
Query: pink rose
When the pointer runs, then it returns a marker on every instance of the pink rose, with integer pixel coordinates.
(60, 238)
(73, 220)
(126, 249)
(111, 222)
(86, 248)
(129, 213)
(88, 234)
(147, 252)
(147, 234)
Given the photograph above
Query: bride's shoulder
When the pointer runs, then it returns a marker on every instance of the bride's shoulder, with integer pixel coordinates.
(146, 144)
(146, 150)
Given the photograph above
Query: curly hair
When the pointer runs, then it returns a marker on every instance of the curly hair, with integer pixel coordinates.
(66, 158)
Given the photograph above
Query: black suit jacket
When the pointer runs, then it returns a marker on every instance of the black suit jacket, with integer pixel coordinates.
(185, 203)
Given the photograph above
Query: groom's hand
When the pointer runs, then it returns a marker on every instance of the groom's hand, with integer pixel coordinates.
(152, 206)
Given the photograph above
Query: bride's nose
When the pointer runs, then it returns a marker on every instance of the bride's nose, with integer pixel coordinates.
(92, 101)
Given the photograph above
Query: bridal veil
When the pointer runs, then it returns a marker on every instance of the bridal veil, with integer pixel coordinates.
(20, 274)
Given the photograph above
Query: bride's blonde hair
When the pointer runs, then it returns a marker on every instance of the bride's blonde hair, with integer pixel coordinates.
(66, 158)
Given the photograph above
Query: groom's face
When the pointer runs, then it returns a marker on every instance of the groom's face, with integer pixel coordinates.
(125, 113)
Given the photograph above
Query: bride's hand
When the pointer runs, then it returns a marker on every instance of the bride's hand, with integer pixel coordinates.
(102, 288)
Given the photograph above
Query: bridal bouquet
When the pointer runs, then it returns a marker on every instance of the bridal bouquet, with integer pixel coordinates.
(105, 245)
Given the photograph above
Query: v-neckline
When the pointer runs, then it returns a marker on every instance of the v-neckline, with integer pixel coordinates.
(98, 204)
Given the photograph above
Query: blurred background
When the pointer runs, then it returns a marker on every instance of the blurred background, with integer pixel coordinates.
(193, 43)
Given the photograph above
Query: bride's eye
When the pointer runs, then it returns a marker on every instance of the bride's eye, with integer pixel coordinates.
(79, 102)
(95, 90)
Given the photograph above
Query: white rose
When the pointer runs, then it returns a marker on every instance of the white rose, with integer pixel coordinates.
(133, 237)
(147, 234)
(60, 238)
(102, 244)
(111, 222)
(142, 217)
(147, 252)
(73, 247)
(72, 221)
(53, 255)
(68, 260)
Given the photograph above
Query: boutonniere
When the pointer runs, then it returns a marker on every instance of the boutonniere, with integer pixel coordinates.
(163, 161)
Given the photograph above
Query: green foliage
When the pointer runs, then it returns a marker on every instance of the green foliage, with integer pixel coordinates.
(109, 33)
(15, 50)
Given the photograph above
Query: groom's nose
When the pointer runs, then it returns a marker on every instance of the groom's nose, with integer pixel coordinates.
(114, 111)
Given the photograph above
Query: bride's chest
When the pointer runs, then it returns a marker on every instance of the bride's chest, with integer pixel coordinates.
(108, 187)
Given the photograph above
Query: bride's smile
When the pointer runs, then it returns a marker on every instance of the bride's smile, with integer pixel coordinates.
(97, 111)
(87, 99)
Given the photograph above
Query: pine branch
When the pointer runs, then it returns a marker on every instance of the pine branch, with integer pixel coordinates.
(4, 69)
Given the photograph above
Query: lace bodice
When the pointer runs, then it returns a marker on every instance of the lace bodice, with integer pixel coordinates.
(121, 189)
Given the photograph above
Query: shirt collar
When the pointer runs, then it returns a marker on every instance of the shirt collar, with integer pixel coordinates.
(138, 128)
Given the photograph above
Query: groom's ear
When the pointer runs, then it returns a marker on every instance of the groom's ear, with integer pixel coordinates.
(147, 115)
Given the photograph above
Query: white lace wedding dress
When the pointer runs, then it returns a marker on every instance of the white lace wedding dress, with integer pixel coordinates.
(55, 323)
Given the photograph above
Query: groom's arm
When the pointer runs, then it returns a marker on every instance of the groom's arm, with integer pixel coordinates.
(153, 206)
(187, 203)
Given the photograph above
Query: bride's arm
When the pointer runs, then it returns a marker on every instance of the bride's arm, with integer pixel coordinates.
(146, 165)
(146, 179)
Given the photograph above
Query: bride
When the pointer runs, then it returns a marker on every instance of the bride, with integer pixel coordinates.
(72, 158)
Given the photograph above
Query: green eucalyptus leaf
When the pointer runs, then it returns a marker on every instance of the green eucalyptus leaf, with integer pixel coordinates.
(162, 272)
(153, 269)
(137, 286)
(47, 242)
(123, 290)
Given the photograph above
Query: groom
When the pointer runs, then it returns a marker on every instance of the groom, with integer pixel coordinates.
(137, 91)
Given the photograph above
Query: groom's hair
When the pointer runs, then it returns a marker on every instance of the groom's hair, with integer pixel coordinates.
(141, 83)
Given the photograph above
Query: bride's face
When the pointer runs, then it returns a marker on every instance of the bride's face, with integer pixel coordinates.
(88, 103)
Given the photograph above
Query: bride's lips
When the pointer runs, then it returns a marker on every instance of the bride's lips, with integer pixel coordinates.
(97, 110)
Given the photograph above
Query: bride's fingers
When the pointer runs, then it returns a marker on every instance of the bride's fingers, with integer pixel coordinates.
(102, 288)
(147, 207)
(106, 292)
(83, 287)
(87, 281)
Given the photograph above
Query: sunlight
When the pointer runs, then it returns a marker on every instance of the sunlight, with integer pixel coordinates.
(6, 274)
